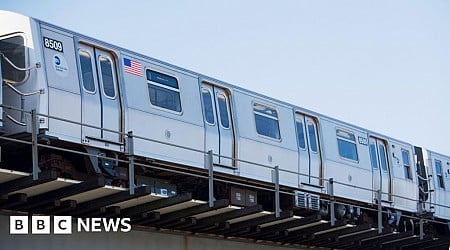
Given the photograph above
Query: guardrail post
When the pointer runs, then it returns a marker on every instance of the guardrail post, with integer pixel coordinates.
(421, 234)
(332, 201)
(34, 144)
(380, 213)
(209, 165)
(130, 149)
(277, 191)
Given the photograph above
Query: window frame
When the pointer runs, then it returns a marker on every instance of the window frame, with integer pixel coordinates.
(277, 119)
(346, 140)
(26, 54)
(114, 77)
(81, 71)
(150, 82)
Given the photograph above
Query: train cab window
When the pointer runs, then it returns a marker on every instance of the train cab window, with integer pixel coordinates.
(406, 164)
(208, 107)
(86, 71)
(13, 50)
(347, 145)
(107, 75)
(438, 165)
(266, 120)
(223, 111)
(164, 91)
(300, 134)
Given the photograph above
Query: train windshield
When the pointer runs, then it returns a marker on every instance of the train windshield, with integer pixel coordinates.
(12, 49)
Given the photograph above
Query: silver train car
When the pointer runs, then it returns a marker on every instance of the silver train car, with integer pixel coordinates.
(89, 94)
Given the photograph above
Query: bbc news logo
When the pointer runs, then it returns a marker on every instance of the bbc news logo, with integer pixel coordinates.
(63, 225)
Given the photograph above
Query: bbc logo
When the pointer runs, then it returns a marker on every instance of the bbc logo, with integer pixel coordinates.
(40, 225)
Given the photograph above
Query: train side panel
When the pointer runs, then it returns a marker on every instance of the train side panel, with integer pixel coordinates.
(63, 84)
(271, 146)
(349, 169)
(162, 124)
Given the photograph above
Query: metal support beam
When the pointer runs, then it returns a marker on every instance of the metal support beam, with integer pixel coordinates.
(176, 217)
(153, 205)
(51, 196)
(277, 191)
(209, 164)
(380, 213)
(98, 203)
(214, 221)
(288, 224)
(26, 182)
(34, 144)
(130, 150)
(332, 201)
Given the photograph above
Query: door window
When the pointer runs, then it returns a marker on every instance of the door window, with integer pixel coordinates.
(223, 111)
(312, 136)
(438, 165)
(406, 164)
(87, 73)
(208, 109)
(383, 156)
(373, 154)
(107, 75)
(300, 134)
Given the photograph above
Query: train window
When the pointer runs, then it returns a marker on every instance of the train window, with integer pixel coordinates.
(347, 145)
(266, 120)
(107, 74)
(438, 165)
(312, 137)
(406, 164)
(383, 156)
(208, 107)
(13, 48)
(164, 91)
(86, 71)
(373, 154)
(223, 111)
(300, 134)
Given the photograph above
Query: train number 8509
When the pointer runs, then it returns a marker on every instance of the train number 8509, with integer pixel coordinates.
(53, 44)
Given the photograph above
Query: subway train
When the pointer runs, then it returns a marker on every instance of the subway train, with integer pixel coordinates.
(88, 95)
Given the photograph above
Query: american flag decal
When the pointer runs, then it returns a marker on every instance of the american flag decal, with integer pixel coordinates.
(132, 67)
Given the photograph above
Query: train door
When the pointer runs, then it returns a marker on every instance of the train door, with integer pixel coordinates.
(309, 163)
(219, 134)
(101, 106)
(381, 172)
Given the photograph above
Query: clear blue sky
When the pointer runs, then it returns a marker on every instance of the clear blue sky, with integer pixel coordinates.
(383, 65)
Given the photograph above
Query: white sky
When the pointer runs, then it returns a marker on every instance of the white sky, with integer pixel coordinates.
(383, 65)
